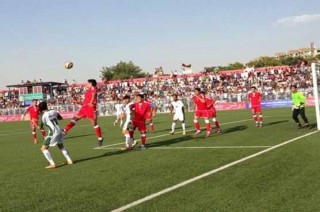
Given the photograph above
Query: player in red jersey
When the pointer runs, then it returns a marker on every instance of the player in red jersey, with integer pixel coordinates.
(200, 111)
(34, 113)
(254, 97)
(140, 109)
(212, 112)
(151, 113)
(88, 110)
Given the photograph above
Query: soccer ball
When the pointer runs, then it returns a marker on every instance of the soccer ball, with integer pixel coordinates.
(68, 65)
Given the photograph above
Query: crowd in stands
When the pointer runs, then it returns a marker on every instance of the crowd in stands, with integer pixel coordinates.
(228, 86)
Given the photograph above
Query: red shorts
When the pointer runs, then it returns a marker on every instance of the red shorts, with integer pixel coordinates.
(256, 109)
(87, 112)
(34, 122)
(202, 113)
(141, 125)
(212, 113)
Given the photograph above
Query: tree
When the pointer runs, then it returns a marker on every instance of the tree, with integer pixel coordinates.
(232, 66)
(264, 62)
(122, 70)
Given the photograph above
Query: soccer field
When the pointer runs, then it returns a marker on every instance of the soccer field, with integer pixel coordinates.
(285, 177)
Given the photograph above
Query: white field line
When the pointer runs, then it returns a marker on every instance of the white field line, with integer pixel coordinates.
(167, 134)
(184, 183)
(29, 132)
(202, 147)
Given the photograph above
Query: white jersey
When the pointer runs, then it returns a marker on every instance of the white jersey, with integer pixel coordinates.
(55, 136)
(127, 112)
(178, 107)
(119, 109)
(178, 110)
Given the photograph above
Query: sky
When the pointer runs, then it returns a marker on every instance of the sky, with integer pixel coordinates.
(38, 36)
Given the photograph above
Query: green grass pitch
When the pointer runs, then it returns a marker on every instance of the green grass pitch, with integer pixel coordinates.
(284, 179)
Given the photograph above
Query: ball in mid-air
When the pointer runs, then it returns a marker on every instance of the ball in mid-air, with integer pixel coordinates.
(68, 65)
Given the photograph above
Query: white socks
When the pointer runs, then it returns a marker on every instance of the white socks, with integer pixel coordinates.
(66, 154)
(48, 156)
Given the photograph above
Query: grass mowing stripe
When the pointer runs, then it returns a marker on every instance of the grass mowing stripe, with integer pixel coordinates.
(158, 136)
(167, 190)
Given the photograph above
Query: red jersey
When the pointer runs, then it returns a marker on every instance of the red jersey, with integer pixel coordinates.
(88, 96)
(140, 111)
(200, 105)
(209, 103)
(34, 112)
(254, 98)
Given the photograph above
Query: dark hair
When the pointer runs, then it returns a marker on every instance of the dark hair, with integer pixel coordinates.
(126, 97)
(34, 100)
(197, 89)
(93, 82)
(43, 106)
(293, 86)
(140, 95)
(253, 87)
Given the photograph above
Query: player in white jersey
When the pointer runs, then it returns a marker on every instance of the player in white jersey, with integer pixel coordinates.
(178, 115)
(127, 124)
(54, 136)
(119, 113)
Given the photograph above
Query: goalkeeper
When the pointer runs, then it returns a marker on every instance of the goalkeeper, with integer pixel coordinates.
(298, 100)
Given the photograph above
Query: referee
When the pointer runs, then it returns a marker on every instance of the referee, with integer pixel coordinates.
(298, 101)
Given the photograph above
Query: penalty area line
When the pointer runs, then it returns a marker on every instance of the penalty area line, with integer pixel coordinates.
(199, 177)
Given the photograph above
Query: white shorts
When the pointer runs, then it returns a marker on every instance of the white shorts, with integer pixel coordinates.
(54, 139)
(179, 117)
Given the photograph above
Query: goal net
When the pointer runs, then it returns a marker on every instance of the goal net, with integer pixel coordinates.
(316, 89)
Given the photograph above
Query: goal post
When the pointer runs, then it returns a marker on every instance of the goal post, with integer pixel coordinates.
(315, 67)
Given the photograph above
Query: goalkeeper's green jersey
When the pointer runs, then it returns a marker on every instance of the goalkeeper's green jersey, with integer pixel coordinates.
(298, 99)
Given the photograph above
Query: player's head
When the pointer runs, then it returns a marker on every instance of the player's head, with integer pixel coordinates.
(253, 88)
(139, 98)
(293, 88)
(175, 97)
(43, 106)
(92, 83)
(126, 99)
(203, 91)
(197, 91)
(34, 102)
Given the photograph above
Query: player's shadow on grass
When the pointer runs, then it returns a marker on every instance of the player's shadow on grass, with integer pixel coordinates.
(312, 126)
(275, 122)
(78, 136)
(107, 154)
(234, 129)
(169, 142)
